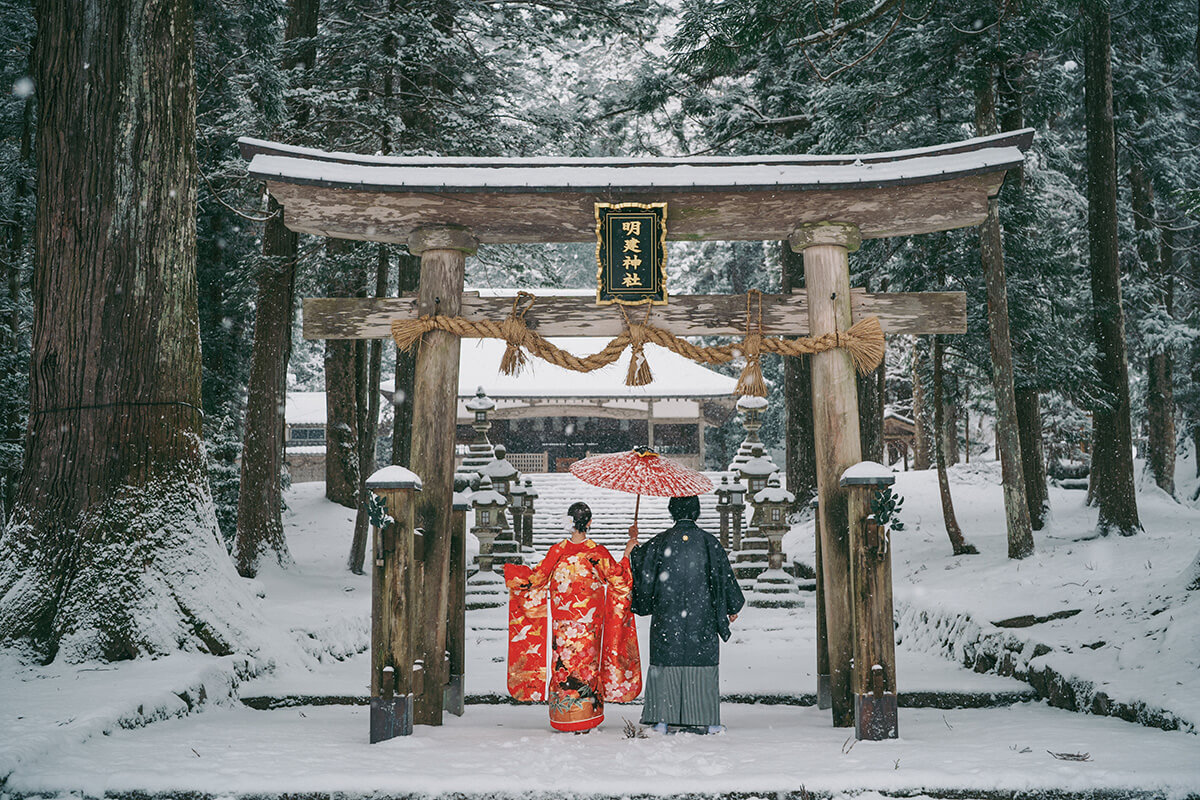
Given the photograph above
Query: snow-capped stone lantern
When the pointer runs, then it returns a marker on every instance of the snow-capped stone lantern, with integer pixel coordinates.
(480, 452)
(501, 471)
(772, 504)
(489, 510)
(757, 469)
(752, 409)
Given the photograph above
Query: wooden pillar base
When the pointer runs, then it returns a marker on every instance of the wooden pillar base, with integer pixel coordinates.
(391, 718)
(876, 717)
(454, 696)
(824, 693)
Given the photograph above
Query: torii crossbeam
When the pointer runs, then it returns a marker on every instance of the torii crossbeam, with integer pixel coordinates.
(443, 208)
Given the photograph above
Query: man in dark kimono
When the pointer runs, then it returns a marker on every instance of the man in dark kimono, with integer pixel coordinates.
(682, 578)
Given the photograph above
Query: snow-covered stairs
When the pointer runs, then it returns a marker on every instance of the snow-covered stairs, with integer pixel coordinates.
(612, 512)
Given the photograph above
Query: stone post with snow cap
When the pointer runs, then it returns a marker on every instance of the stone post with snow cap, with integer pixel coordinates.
(393, 601)
(874, 679)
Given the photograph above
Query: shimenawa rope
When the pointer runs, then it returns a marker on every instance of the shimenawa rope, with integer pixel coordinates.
(863, 340)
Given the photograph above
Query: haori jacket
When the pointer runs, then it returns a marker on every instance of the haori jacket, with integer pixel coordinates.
(682, 578)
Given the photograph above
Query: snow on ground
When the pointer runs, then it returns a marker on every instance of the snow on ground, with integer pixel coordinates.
(80, 728)
(511, 750)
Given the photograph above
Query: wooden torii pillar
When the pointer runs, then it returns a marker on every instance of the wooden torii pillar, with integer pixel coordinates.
(442, 208)
(443, 251)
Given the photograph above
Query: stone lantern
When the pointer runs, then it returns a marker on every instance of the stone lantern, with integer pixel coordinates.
(752, 409)
(516, 507)
(527, 532)
(737, 511)
(752, 547)
(757, 469)
(501, 471)
(485, 589)
(772, 504)
(489, 517)
(480, 453)
(723, 509)
(774, 588)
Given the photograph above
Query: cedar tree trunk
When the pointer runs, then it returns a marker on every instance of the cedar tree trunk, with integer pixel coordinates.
(1033, 458)
(260, 495)
(921, 432)
(408, 274)
(957, 543)
(113, 551)
(1112, 430)
(1008, 441)
(797, 399)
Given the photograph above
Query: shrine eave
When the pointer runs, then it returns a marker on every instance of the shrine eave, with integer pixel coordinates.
(507, 200)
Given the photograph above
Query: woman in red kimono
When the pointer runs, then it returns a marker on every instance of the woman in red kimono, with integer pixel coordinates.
(593, 646)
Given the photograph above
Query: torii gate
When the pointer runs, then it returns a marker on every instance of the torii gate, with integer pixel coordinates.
(443, 208)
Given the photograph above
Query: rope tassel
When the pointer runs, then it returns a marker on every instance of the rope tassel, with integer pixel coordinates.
(866, 344)
(751, 381)
(639, 368)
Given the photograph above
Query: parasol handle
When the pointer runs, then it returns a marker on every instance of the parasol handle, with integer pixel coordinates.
(637, 505)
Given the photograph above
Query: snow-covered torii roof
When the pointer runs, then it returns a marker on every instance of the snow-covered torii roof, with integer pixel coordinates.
(508, 200)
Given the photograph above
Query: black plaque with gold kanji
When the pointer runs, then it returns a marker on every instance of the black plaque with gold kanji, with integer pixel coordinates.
(631, 250)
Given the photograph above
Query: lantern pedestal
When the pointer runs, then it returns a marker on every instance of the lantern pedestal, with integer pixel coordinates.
(485, 589)
(774, 588)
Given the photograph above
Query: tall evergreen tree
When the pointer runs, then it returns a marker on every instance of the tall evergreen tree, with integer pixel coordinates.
(112, 550)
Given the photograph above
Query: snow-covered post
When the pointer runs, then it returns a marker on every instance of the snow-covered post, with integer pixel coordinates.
(393, 601)
(826, 247)
(874, 681)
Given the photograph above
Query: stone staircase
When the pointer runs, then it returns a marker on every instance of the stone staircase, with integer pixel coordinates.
(612, 512)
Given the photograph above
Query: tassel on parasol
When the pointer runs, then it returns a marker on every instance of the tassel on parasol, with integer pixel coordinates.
(641, 471)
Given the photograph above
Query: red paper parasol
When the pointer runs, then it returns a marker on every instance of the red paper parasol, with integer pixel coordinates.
(641, 471)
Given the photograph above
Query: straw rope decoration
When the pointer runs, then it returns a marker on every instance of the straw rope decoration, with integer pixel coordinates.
(863, 340)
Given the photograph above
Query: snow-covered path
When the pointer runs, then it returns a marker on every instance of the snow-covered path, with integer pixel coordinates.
(510, 750)
(133, 727)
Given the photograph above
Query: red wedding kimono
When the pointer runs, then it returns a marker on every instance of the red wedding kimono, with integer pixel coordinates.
(594, 651)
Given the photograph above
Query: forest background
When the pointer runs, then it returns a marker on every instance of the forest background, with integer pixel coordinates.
(1100, 232)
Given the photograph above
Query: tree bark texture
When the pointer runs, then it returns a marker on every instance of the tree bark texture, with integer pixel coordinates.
(408, 272)
(113, 551)
(1008, 440)
(368, 424)
(1112, 474)
(1156, 258)
(260, 492)
(957, 542)
(921, 432)
(345, 372)
(260, 496)
(837, 444)
(1033, 456)
(870, 414)
(797, 398)
(435, 403)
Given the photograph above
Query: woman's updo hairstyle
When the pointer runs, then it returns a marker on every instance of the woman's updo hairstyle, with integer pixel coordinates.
(580, 516)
